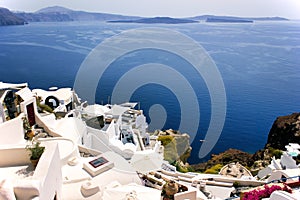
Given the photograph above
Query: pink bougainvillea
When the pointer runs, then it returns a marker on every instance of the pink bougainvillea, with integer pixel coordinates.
(265, 192)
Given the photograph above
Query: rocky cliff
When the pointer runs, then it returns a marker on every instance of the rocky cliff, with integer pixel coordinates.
(177, 147)
(285, 130)
(9, 18)
(229, 156)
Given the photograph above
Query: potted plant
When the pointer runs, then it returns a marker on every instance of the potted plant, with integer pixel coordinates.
(29, 134)
(35, 151)
(169, 190)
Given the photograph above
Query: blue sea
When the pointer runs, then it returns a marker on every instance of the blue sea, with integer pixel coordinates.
(259, 64)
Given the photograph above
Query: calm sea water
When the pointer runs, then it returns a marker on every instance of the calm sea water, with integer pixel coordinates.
(259, 64)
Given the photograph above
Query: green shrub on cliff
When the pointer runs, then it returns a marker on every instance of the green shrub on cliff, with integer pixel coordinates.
(181, 167)
(275, 152)
(214, 169)
(165, 139)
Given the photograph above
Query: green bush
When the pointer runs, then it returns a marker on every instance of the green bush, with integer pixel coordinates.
(181, 168)
(45, 108)
(165, 139)
(214, 169)
(236, 184)
(275, 152)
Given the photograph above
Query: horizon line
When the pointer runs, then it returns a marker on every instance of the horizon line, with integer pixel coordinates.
(129, 15)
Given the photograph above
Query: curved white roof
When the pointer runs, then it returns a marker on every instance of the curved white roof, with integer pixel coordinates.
(96, 109)
(4, 86)
(117, 110)
(64, 94)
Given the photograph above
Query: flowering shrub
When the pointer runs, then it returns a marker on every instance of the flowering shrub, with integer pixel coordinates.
(265, 192)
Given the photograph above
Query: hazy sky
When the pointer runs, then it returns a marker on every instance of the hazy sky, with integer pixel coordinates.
(173, 8)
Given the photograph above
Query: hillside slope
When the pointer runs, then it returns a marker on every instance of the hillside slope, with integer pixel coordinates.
(9, 18)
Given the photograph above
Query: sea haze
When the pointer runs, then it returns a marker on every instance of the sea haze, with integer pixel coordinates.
(259, 64)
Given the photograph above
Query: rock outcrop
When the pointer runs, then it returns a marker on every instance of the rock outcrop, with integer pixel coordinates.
(176, 145)
(224, 158)
(9, 18)
(285, 130)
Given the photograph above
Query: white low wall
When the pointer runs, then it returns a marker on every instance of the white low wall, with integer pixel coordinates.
(46, 182)
(13, 156)
(12, 132)
(48, 172)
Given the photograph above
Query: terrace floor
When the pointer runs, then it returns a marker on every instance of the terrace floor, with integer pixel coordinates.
(17, 172)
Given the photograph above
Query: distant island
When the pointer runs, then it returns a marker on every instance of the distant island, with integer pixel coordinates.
(214, 18)
(225, 20)
(242, 20)
(61, 14)
(157, 20)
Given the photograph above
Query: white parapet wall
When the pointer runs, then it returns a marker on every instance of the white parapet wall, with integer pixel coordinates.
(13, 156)
(12, 132)
(46, 181)
(48, 172)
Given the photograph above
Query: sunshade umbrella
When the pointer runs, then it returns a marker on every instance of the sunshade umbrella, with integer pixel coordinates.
(145, 161)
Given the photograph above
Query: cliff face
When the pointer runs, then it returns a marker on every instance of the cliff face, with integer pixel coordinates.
(176, 145)
(229, 156)
(9, 18)
(285, 130)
